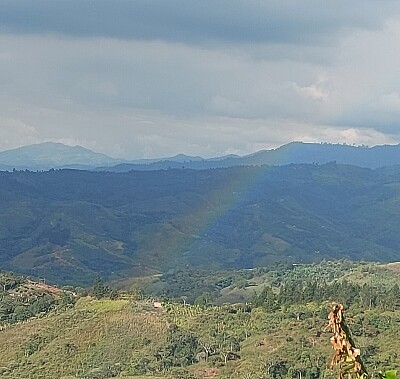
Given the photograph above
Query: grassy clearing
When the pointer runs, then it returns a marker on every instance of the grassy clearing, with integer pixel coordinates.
(96, 334)
(100, 306)
(100, 336)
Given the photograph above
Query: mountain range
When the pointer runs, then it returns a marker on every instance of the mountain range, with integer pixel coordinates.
(70, 225)
(50, 155)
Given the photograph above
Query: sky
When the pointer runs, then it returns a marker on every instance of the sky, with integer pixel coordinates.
(154, 78)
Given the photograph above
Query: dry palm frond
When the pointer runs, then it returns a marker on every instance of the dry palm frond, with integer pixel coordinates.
(346, 356)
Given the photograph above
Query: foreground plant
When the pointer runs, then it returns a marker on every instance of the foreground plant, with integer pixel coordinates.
(347, 356)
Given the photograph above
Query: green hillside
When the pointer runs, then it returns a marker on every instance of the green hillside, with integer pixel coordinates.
(21, 299)
(68, 225)
(274, 336)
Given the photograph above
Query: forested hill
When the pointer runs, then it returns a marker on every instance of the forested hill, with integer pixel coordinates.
(69, 225)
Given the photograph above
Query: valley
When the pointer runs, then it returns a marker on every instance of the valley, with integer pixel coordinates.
(199, 189)
(68, 226)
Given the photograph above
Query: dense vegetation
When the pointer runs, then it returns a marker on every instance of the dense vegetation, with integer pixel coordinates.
(273, 288)
(68, 225)
(22, 299)
(280, 334)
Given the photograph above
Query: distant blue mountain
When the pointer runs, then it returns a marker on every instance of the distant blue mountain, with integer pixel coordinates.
(45, 156)
(300, 152)
(49, 155)
(294, 152)
(56, 155)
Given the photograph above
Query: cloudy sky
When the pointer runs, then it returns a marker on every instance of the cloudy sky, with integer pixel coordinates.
(151, 78)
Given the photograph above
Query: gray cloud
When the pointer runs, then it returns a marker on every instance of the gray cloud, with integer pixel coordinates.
(149, 78)
(206, 21)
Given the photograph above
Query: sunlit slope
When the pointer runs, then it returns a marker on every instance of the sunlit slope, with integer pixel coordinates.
(104, 338)
(272, 329)
(70, 225)
(95, 336)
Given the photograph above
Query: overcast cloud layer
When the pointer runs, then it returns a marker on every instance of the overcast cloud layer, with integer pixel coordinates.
(154, 78)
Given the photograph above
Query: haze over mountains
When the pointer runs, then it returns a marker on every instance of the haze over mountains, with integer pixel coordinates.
(56, 155)
(299, 203)
(294, 152)
(49, 155)
(70, 225)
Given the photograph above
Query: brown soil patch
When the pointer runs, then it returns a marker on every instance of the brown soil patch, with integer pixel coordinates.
(47, 288)
(395, 266)
(207, 373)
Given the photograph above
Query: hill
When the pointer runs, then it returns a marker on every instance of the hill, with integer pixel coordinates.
(239, 286)
(22, 298)
(45, 156)
(300, 152)
(273, 337)
(69, 225)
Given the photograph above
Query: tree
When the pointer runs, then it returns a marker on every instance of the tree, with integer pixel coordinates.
(66, 299)
(180, 350)
(204, 299)
(228, 346)
(276, 369)
(99, 289)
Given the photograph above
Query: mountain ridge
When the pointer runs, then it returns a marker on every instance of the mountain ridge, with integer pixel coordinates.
(49, 155)
(291, 153)
(70, 225)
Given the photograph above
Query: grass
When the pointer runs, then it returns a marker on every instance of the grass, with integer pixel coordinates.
(98, 334)
(101, 338)
(95, 334)
(101, 306)
(375, 274)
